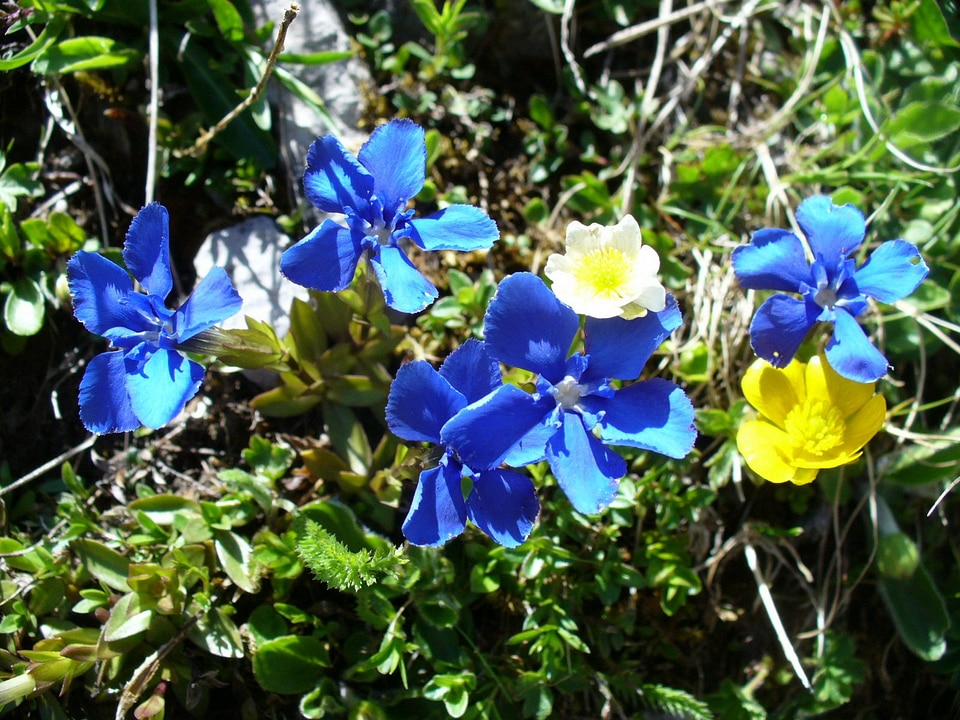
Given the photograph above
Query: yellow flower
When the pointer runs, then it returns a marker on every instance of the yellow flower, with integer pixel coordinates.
(809, 418)
(607, 271)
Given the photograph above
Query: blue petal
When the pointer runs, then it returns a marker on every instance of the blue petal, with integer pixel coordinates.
(779, 328)
(471, 370)
(588, 472)
(405, 289)
(326, 259)
(420, 402)
(851, 353)
(833, 231)
(620, 348)
(159, 383)
(212, 301)
(653, 415)
(774, 260)
(104, 404)
(146, 251)
(532, 447)
(484, 432)
(437, 512)
(458, 227)
(335, 180)
(103, 297)
(526, 326)
(396, 156)
(504, 505)
(894, 270)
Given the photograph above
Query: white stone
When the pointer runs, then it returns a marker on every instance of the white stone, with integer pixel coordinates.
(250, 253)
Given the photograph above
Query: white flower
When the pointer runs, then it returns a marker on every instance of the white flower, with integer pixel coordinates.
(607, 271)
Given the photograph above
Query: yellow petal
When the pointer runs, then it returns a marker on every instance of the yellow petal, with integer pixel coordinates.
(864, 424)
(822, 462)
(771, 391)
(763, 446)
(845, 395)
(804, 476)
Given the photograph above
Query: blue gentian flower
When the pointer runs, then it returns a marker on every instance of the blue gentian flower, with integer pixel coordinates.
(372, 190)
(833, 289)
(502, 503)
(576, 410)
(147, 381)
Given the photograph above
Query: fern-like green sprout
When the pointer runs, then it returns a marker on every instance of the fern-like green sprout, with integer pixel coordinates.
(335, 564)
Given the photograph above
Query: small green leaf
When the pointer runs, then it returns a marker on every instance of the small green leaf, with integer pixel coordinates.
(84, 54)
(919, 612)
(317, 58)
(268, 459)
(922, 122)
(126, 619)
(47, 37)
(25, 308)
(291, 664)
(218, 634)
(163, 509)
(104, 563)
(234, 554)
(265, 624)
(229, 21)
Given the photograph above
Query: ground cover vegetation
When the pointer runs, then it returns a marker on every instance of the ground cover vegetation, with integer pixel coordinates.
(625, 388)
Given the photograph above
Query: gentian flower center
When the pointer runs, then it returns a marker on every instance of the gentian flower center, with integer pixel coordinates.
(380, 231)
(814, 426)
(604, 271)
(568, 392)
(825, 297)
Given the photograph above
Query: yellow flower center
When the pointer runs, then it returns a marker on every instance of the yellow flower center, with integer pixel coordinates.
(603, 271)
(815, 427)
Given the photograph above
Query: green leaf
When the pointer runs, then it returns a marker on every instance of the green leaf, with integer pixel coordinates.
(670, 701)
(929, 25)
(19, 181)
(318, 58)
(919, 612)
(126, 619)
(306, 337)
(47, 37)
(234, 554)
(453, 690)
(25, 308)
(290, 665)
(104, 563)
(83, 54)
(164, 509)
(10, 245)
(268, 459)
(348, 437)
(218, 634)
(922, 122)
(265, 624)
(65, 236)
(228, 20)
